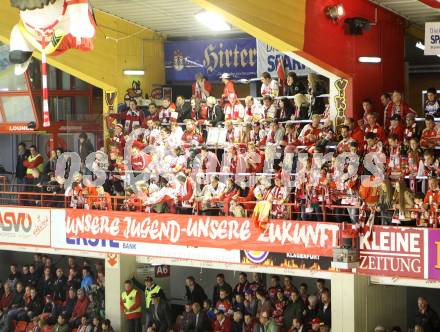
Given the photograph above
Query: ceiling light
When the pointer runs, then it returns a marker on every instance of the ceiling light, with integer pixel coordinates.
(370, 59)
(420, 45)
(212, 20)
(335, 12)
(134, 72)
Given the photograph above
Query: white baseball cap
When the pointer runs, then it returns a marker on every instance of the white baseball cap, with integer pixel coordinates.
(225, 75)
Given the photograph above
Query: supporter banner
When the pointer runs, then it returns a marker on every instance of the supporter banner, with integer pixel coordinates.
(183, 59)
(432, 38)
(286, 260)
(60, 240)
(201, 231)
(394, 251)
(433, 253)
(25, 226)
(268, 61)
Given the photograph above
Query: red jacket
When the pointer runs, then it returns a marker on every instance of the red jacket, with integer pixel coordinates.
(225, 326)
(399, 131)
(137, 304)
(80, 307)
(5, 301)
(403, 109)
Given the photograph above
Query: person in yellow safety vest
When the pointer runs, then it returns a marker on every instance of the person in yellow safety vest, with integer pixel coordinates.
(150, 288)
(34, 164)
(131, 303)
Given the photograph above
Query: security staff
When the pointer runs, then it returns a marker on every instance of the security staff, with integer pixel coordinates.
(131, 305)
(150, 288)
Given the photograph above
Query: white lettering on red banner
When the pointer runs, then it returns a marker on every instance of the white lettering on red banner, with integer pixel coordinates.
(393, 251)
(221, 232)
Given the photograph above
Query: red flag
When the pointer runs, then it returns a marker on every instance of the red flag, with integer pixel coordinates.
(281, 75)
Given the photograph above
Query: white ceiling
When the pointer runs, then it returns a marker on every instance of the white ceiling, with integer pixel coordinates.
(171, 18)
(414, 11)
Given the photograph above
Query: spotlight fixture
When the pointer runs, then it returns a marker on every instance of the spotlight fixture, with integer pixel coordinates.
(335, 12)
(134, 72)
(421, 46)
(356, 25)
(212, 20)
(370, 59)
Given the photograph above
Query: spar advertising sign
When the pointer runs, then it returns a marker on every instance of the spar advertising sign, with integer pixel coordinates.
(213, 57)
(394, 251)
(268, 61)
(432, 38)
(25, 226)
(168, 233)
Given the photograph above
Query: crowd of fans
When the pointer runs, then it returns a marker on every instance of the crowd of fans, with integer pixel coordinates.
(251, 168)
(247, 307)
(46, 297)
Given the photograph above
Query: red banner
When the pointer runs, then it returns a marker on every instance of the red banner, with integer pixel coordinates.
(394, 251)
(203, 231)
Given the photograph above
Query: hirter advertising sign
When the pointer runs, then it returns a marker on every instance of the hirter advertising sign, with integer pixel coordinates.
(25, 226)
(394, 251)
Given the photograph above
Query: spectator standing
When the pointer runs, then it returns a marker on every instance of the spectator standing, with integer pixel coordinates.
(294, 309)
(269, 87)
(325, 312)
(34, 166)
(20, 169)
(150, 288)
(60, 286)
(293, 86)
(132, 117)
(432, 103)
(183, 109)
(87, 279)
(221, 284)
(45, 285)
(228, 88)
(214, 112)
(242, 285)
(85, 147)
(131, 305)
(426, 317)
(14, 275)
(194, 292)
(162, 321)
(201, 88)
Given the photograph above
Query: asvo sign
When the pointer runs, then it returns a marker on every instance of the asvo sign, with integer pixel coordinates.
(15, 222)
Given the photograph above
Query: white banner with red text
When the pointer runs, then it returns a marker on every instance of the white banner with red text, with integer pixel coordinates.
(25, 226)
